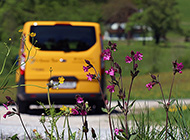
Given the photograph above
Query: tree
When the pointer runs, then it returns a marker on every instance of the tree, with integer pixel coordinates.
(161, 15)
(14, 13)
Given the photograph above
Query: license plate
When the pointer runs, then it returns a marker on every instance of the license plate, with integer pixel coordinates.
(65, 85)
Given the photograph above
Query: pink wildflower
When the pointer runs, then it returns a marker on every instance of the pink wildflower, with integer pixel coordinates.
(80, 100)
(138, 56)
(111, 71)
(128, 59)
(74, 111)
(8, 113)
(90, 76)
(111, 88)
(149, 86)
(106, 54)
(116, 131)
(5, 106)
(179, 67)
(85, 69)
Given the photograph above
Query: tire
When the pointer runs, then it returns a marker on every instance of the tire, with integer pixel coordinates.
(22, 106)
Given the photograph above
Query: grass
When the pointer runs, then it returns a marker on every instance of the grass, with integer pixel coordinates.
(181, 87)
(157, 115)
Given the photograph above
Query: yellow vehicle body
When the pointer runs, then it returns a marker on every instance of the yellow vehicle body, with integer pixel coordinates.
(58, 50)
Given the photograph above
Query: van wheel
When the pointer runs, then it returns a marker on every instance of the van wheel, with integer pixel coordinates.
(22, 106)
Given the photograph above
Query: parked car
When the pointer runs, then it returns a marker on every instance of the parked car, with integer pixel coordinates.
(63, 47)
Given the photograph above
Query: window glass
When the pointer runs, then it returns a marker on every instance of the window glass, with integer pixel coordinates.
(64, 37)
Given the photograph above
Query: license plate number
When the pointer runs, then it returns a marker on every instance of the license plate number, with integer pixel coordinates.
(65, 85)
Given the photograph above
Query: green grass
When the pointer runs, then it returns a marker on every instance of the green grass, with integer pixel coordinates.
(181, 88)
(10, 92)
(183, 6)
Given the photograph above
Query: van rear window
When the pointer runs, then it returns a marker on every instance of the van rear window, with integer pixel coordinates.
(64, 37)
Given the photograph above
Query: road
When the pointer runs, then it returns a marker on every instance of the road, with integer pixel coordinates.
(11, 125)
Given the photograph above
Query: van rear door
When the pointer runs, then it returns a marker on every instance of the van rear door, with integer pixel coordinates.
(63, 48)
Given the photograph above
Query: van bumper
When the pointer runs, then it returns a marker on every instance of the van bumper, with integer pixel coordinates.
(58, 98)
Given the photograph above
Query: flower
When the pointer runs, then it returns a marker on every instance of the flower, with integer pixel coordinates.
(106, 54)
(172, 109)
(111, 71)
(61, 80)
(83, 113)
(85, 69)
(74, 111)
(37, 48)
(20, 30)
(179, 67)
(7, 114)
(184, 107)
(113, 47)
(63, 108)
(150, 85)
(80, 100)
(128, 59)
(90, 76)
(34, 130)
(111, 88)
(32, 34)
(116, 131)
(5, 106)
(138, 56)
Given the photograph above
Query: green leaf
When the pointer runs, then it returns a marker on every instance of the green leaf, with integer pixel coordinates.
(113, 108)
(172, 101)
(14, 137)
(160, 102)
(120, 106)
(131, 104)
(120, 137)
(132, 137)
(104, 110)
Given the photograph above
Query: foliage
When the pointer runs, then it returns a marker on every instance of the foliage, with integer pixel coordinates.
(162, 16)
(14, 17)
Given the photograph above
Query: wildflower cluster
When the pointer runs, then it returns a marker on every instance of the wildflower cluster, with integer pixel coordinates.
(81, 107)
(86, 68)
(115, 74)
(9, 102)
(177, 67)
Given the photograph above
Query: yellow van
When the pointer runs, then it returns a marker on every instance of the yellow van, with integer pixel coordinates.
(63, 47)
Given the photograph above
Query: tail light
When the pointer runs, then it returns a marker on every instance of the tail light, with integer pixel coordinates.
(22, 57)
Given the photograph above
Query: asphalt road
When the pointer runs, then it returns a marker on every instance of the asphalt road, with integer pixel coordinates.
(12, 125)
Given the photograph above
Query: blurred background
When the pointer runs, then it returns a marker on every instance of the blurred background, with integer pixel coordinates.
(158, 29)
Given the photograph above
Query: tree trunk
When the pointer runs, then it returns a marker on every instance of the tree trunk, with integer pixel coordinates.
(157, 38)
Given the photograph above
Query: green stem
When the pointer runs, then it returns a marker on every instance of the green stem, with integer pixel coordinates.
(46, 130)
(49, 102)
(171, 88)
(109, 117)
(162, 93)
(63, 133)
(127, 109)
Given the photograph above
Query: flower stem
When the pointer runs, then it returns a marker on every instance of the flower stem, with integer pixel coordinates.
(127, 107)
(171, 88)
(23, 126)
